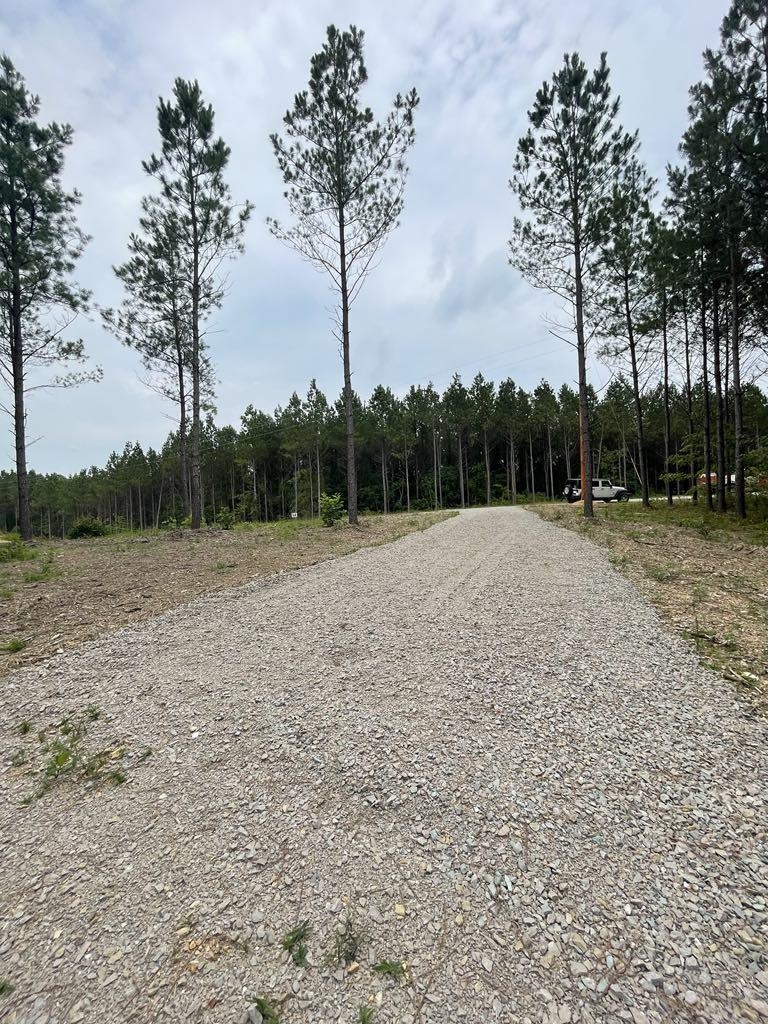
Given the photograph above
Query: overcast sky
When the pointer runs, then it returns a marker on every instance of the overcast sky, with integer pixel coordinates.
(443, 297)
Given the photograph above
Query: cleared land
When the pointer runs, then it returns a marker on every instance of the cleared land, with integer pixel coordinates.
(706, 574)
(469, 776)
(73, 591)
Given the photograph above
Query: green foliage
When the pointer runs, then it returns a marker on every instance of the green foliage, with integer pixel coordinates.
(87, 526)
(14, 645)
(13, 549)
(366, 1015)
(295, 942)
(270, 1013)
(331, 509)
(66, 756)
(225, 518)
(348, 941)
(5, 987)
(390, 968)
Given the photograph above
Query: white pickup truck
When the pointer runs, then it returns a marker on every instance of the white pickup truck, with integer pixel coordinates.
(602, 490)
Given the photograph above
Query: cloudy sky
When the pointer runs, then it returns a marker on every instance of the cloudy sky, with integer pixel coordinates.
(443, 297)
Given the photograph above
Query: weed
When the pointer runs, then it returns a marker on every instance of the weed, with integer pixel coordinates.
(24, 727)
(5, 987)
(14, 645)
(270, 1014)
(618, 560)
(67, 756)
(13, 549)
(45, 572)
(391, 969)
(6, 593)
(19, 758)
(295, 942)
(147, 752)
(657, 572)
(348, 942)
(365, 1015)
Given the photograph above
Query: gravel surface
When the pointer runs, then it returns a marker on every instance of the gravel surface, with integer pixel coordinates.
(475, 751)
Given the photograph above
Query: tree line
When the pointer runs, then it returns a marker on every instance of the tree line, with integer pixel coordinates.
(476, 443)
(668, 286)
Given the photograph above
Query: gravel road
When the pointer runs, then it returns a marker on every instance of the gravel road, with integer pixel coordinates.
(476, 751)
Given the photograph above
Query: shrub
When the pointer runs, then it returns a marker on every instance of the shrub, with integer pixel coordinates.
(13, 549)
(331, 508)
(225, 519)
(87, 526)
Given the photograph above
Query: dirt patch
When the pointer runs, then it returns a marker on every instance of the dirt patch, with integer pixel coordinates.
(76, 590)
(705, 573)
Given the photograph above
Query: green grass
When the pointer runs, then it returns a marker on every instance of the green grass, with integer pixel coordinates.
(295, 942)
(14, 645)
(690, 516)
(46, 571)
(5, 987)
(390, 969)
(348, 942)
(13, 549)
(365, 1015)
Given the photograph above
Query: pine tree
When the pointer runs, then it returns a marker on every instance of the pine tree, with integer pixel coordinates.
(40, 244)
(155, 317)
(563, 177)
(623, 262)
(345, 177)
(190, 170)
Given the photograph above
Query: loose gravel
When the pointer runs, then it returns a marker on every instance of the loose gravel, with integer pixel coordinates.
(475, 752)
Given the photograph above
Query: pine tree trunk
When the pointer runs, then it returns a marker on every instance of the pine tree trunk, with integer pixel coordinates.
(24, 515)
(738, 398)
(533, 477)
(639, 425)
(689, 401)
(514, 469)
(667, 417)
(551, 470)
(317, 453)
(407, 483)
(348, 405)
(585, 442)
(487, 469)
(720, 409)
(461, 471)
(195, 475)
(707, 404)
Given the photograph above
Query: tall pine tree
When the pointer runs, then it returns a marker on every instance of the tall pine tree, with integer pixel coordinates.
(345, 176)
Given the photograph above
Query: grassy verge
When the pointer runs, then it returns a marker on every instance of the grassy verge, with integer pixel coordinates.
(706, 573)
(63, 593)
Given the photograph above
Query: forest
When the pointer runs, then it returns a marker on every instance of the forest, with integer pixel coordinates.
(666, 283)
(475, 444)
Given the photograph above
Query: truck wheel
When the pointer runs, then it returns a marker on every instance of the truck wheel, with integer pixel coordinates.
(624, 497)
